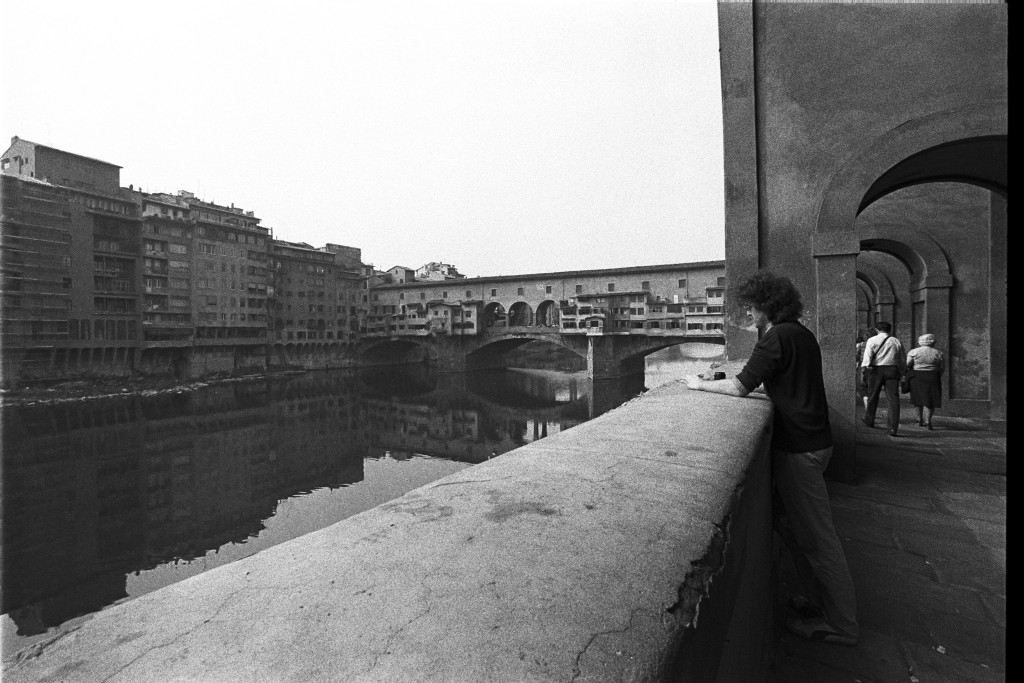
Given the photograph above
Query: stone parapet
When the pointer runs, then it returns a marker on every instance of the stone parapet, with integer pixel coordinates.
(636, 546)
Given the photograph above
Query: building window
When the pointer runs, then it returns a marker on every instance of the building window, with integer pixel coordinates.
(469, 294)
(444, 295)
(721, 282)
(579, 289)
(682, 283)
(401, 296)
(611, 286)
(519, 291)
(547, 289)
(423, 296)
(645, 285)
(494, 292)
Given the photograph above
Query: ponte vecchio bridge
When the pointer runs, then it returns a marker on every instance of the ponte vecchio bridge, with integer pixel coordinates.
(611, 317)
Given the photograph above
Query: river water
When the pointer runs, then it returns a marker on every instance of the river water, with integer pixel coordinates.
(109, 499)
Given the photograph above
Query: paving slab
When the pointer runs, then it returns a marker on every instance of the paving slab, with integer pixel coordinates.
(879, 657)
(924, 528)
(929, 665)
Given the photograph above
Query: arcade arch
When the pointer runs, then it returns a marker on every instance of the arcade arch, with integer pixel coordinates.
(547, 313)
(520, 314)
(494, 315)
(931, 194)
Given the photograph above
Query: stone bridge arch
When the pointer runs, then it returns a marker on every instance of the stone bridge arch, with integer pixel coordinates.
(489, 350)
(397, 351)
(635, 359)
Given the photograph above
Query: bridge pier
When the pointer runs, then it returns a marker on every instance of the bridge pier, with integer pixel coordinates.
(609, 357)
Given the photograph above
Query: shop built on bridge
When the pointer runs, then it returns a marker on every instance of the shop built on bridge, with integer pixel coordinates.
(613, 318)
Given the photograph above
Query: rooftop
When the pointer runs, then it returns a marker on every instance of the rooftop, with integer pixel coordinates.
(80, 156)
(629, 270)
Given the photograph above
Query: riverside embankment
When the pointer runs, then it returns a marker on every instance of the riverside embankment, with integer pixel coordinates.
(632, 546)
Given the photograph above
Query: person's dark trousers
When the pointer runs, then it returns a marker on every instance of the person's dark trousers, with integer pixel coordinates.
(884, 377)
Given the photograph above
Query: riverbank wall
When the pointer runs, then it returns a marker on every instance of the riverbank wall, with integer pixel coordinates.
(636, 546)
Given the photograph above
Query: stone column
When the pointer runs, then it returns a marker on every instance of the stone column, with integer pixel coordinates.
(935, 294)
(740, 150)
(598, 351)
(835, 325)
(451, 356)
(997, 307)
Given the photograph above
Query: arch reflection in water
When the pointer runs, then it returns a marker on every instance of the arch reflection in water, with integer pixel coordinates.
(107, 500)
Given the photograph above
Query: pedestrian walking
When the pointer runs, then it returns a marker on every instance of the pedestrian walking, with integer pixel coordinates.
(925, 364)
(786, 361)
(883, 364)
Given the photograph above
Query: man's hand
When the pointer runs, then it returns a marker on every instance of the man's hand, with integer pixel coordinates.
(693, 382)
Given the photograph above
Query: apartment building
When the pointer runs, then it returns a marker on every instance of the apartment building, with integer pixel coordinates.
(71, 240)
(318, 292)
(167, 248)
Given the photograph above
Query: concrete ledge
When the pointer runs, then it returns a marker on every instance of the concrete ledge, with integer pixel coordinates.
(632, 547)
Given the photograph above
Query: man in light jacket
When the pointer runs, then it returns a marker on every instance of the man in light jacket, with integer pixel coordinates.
(883, 364)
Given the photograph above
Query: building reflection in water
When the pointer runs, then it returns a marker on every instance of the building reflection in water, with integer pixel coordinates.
(96, 493)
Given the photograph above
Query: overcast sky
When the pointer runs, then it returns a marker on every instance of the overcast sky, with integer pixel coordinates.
(501, 137)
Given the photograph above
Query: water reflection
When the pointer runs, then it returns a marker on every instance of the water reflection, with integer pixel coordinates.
(106, 500)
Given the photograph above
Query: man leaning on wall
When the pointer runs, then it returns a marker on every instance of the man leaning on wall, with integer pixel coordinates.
(786, 361)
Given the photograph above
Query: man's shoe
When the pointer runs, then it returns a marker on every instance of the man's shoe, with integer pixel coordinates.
(871, 425)
(892, 432)
(819, 631)
(802, 608)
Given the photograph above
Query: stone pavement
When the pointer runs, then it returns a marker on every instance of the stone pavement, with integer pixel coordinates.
(924, 530)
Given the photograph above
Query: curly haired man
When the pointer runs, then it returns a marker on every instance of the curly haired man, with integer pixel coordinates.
(786, 361)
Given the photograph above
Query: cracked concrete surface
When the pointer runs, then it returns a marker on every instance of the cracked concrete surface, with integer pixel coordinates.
(558, 561)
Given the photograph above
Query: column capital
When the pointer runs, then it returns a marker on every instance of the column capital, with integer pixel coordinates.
(938, 281)
(843, 243)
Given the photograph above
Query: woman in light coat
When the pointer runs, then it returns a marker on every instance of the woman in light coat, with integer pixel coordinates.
(924, 367)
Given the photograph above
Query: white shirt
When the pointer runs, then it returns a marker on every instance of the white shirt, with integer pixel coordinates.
(883, 349)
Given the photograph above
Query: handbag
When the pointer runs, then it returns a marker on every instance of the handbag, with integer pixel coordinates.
(905, 382)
